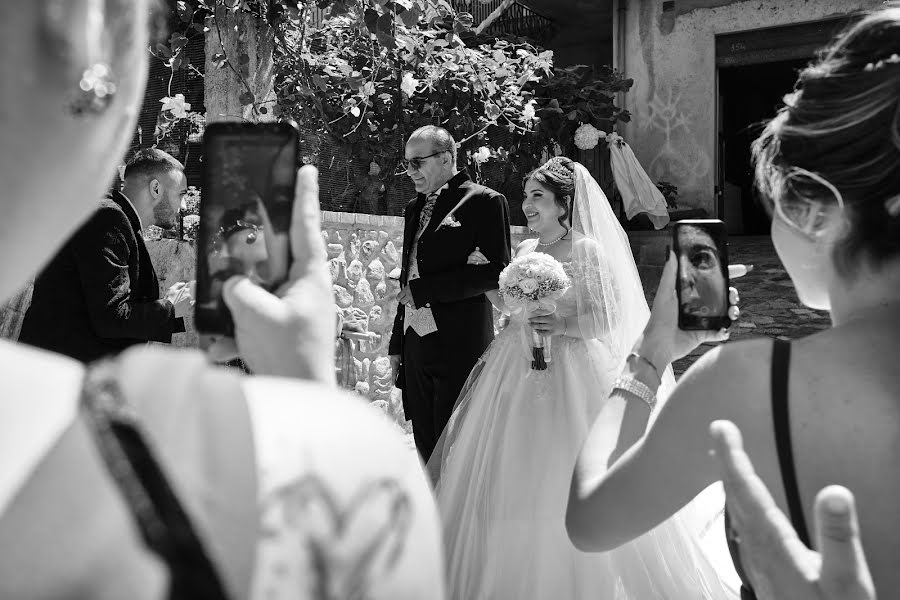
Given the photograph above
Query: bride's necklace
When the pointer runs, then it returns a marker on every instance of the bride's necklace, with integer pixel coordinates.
(545, 244)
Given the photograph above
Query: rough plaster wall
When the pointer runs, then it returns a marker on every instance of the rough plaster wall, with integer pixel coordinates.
(672, 59)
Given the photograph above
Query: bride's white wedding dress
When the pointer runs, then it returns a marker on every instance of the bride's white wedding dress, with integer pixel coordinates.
(505, 464)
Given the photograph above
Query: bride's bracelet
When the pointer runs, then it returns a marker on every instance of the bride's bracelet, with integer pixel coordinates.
(636, 388)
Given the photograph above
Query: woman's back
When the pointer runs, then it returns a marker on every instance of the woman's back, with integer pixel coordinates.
(844, 412)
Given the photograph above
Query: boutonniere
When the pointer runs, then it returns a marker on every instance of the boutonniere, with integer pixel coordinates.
(449, 221)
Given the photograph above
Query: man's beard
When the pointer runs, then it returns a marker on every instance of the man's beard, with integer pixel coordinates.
(163, 215)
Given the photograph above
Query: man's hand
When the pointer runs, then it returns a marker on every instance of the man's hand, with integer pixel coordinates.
(182, 298)
(395, 367)
(405, 297)
(289, 333)
(779, 566)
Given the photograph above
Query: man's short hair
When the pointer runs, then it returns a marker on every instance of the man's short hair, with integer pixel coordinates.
(440, 139)
(151, 162)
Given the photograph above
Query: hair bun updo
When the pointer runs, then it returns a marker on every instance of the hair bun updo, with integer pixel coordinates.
(842, 123)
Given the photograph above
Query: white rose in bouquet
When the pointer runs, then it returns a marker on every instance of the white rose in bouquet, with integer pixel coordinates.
(531, 282)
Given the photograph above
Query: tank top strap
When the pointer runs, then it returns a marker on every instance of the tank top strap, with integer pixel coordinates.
(781, 361)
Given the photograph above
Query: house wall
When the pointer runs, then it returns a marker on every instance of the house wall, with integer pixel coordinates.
(671, 56)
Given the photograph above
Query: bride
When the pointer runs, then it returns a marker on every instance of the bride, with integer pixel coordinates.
(503, 465)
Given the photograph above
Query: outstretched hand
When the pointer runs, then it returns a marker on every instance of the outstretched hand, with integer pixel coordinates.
(291, 332)
(776, 561)
(663, 341)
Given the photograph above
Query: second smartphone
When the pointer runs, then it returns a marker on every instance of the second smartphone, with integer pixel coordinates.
(701, 247)
(249, 175)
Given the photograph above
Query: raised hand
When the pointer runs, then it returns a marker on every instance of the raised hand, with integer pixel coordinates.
(662, 341)
(182, 298)
(289, 333)
(779, 566)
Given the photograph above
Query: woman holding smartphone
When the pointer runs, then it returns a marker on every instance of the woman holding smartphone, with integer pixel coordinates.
(153, 474)
(816, 411)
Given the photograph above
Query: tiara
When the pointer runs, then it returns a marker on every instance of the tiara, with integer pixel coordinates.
(892, 59)
(555, 165)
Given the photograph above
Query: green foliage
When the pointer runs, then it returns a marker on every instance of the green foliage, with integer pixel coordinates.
(374, 70)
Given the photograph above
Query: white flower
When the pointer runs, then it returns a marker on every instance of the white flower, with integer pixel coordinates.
(532, 279)
(528, 111)
(614, 138)
(482, 155)
(176, 105)
(409, 84)
(587, 136)
(528, 285)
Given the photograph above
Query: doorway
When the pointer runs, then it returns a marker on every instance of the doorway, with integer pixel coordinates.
(748, 96)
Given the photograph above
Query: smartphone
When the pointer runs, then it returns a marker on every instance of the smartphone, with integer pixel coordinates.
(249, 174)
(701, 247)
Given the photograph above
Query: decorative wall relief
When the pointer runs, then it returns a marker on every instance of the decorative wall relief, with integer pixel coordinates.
(680, 157)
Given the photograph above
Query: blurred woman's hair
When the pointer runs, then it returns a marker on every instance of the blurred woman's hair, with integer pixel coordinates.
(558, 176)
(842, 123)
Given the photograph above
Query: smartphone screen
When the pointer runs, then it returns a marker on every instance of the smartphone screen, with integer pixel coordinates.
(249, 173)
(701, 247)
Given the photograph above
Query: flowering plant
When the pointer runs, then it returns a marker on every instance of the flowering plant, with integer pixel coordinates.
(534, 282)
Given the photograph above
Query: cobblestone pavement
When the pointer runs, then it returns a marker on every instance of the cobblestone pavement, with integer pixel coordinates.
(769, 304)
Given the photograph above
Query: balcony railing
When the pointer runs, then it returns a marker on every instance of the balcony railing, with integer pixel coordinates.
(517, 20)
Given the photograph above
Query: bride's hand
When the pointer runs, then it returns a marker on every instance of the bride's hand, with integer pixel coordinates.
(547, 323)
(662, 341)
(477, 258)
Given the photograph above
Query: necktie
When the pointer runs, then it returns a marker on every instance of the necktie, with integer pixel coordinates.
(425, 217)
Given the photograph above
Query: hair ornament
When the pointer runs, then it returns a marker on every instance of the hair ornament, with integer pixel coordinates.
(892, 59)
(555, 165)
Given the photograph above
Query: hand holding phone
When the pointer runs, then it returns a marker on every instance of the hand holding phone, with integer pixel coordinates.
(245, 213)
(662, 340)
(288, 331)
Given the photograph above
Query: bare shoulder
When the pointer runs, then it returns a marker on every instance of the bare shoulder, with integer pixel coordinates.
(727, 379)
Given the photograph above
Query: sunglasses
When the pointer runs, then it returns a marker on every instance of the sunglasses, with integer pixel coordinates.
(416, 162)
(800, 203)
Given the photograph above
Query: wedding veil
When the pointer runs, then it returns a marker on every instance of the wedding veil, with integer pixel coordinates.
(608, 292)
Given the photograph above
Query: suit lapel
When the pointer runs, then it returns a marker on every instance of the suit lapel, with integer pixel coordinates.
(442, 207)
(459, 185)
(146, 285)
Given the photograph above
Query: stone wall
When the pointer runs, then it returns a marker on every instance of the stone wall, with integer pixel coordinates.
(363, 250)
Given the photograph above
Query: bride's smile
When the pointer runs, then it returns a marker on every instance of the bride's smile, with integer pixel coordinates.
(542, 210)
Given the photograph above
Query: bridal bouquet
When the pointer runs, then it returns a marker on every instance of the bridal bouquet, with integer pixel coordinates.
(534, 282)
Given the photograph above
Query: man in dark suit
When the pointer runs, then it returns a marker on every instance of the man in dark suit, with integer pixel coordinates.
(444, 321)
(100, 293)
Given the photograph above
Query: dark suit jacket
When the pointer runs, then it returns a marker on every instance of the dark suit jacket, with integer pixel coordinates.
(100, 294)
(453, 289)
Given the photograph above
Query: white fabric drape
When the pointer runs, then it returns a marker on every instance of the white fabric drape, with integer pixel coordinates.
(639, 193)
